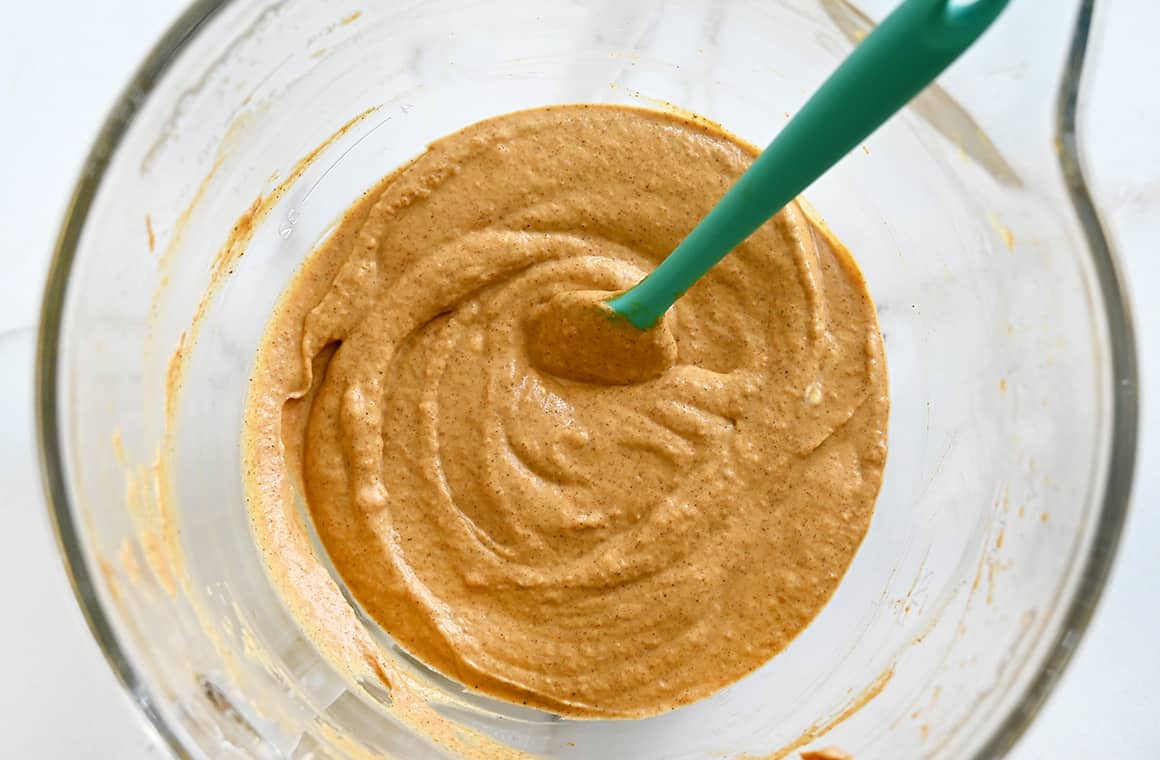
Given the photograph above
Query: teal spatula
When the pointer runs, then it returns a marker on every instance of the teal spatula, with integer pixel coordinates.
(899, 58)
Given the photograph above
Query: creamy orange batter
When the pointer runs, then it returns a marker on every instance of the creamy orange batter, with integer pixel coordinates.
(610, 545)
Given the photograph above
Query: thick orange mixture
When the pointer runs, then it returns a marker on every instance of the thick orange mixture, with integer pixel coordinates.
(592, 549)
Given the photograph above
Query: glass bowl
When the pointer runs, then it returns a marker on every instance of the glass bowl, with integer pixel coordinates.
(1008, 342)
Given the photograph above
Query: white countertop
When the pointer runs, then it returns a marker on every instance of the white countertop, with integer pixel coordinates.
(61, 65)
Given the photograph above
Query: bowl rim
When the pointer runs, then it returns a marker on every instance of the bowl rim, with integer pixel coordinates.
(1125, 382)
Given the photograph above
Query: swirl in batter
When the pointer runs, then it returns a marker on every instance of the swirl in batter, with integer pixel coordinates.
(594, 547)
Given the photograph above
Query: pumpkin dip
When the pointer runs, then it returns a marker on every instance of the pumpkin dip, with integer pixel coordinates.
(595, 547)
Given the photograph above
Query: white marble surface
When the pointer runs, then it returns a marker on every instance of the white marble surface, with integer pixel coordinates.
(61, 64)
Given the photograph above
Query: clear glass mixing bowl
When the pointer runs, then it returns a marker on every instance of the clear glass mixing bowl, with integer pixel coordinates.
(1008, 341)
